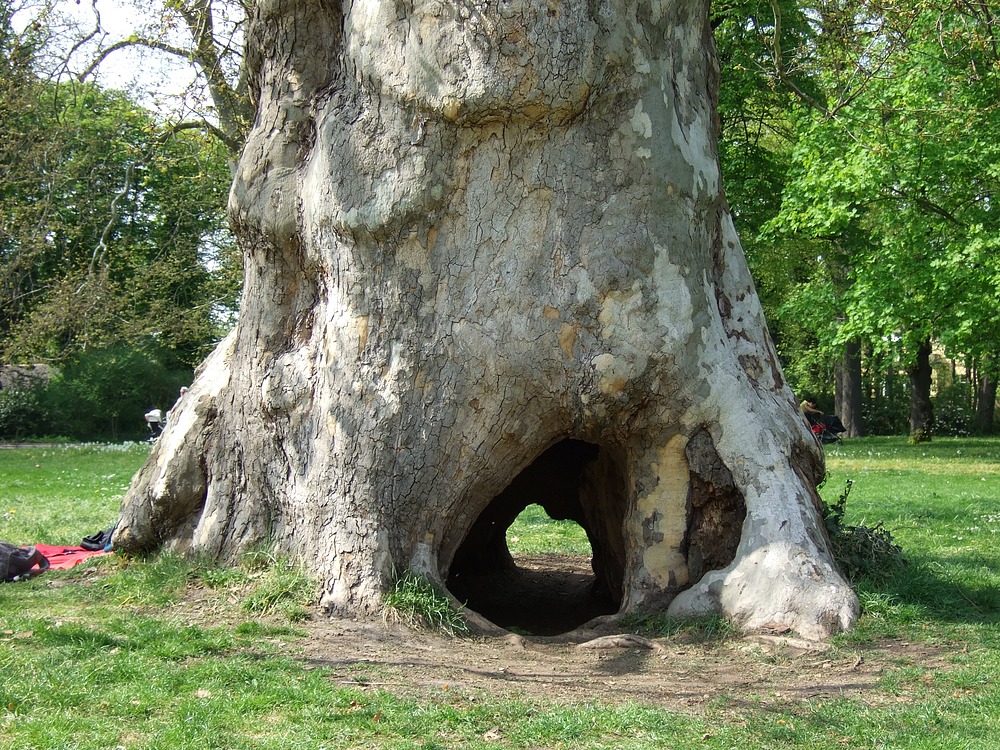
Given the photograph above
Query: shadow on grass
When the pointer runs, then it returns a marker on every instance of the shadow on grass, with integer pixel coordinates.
(918, 592)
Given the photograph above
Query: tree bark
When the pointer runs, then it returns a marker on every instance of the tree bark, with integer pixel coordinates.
(489, 262)
(986, 395)
(921, 408)
(849, 389)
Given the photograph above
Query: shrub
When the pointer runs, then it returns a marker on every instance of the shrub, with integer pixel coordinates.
(953, 412)
(887, 415)
(103, 393)
(860, 551)
(23, 413)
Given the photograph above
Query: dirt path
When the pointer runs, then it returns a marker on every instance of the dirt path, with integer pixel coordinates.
(662, 672)
(550, 595)
(682, 672)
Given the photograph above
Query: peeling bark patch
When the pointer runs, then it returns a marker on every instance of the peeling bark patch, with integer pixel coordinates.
(567, 337)
(649, 534)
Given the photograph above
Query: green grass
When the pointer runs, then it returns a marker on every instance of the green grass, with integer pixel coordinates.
(533, 532)
(100, 657)
(941, 501)
(59, 495)
(417, 601)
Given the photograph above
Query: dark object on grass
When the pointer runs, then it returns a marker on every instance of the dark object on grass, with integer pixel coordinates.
(99, 541)
(20, 562)
(827, 427)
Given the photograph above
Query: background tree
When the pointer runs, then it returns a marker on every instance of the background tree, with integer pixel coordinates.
(889, 187)
(114, 232)
(205, 36)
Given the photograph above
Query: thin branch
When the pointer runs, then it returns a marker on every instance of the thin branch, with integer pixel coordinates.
(230, 142)
(102, 245)
(929, 206)
(97, 31)
(136, 42)
(779, 65)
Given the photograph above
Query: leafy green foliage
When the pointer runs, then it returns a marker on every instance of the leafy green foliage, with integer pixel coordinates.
(860, 551)
(104, 393)
(953, 412)
(109, 223)
(877, 124)
(23, 414)
(99, 394)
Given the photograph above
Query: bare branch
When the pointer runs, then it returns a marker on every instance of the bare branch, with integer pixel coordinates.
(102, 245)
(177, 127)
(136, 42)
(779, 68)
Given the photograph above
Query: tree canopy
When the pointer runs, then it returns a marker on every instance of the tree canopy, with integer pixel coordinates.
(860, 157)
(113, 223)
(874, 219)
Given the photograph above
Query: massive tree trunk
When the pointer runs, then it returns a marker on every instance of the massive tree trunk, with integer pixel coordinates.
(848, 387)
(489, 263)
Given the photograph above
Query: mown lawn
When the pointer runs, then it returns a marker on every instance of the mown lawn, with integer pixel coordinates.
(95, 658)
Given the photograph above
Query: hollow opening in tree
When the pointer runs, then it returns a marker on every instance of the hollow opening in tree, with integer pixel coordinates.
(549, 593)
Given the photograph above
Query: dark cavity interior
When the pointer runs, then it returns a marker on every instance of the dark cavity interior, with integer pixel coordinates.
(548, 594)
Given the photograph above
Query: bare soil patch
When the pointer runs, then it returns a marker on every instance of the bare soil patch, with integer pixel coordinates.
(593, 663)
(670, 673)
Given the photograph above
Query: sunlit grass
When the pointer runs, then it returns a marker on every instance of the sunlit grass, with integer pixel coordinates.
(59, 495)
(103, 656)
(533, 532)
(947, 522)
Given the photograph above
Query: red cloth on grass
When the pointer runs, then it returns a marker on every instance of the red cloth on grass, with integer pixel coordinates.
(66, 557)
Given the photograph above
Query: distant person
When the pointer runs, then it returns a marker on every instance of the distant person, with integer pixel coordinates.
(826, 427)
(154, 421)
(811, 410)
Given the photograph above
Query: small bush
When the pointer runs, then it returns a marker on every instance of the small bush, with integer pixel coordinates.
(418, 602)
(23, 413)
(102, 394)
(860, 551)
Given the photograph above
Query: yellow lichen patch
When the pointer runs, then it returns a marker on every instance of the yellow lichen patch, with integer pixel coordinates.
(567, 338)
(664, 511)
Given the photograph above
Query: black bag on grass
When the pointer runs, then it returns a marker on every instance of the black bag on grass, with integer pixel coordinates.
(99, 541)
(20, 562)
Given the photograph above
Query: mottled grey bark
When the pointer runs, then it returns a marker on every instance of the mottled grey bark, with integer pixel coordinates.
(486, 238)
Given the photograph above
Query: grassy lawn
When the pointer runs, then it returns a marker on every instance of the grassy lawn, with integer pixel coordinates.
(98, 657)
